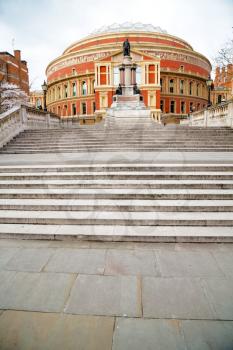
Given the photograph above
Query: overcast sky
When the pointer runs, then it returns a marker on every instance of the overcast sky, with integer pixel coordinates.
(42, 29)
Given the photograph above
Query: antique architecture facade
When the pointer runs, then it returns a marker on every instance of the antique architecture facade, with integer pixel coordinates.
(37, 98)
(223, 84)
(14, 70)
(171, 76)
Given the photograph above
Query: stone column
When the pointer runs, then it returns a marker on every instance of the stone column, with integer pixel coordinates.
(122, 75)
(133, 75)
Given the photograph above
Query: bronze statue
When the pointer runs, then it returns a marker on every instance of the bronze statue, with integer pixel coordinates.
(126, 48)
(119, 90)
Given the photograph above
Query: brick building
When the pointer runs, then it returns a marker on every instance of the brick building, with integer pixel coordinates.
(14, 70)
(223, 84)
(170, 74)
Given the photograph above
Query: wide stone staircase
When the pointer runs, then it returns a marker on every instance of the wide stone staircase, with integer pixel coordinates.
(119, 201)
(136, 134)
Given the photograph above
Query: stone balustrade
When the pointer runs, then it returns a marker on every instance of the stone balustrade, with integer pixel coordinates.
(220, 115)
(21, 118)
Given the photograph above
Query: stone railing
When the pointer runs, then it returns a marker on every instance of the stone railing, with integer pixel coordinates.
(220, 115)
(22, 118)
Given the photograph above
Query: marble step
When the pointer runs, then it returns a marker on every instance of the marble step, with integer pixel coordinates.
(169, 194)
(116, 218)
(116, 233)
(118, 175)
(133, 149)
(143, 184)
(118, 167)
(117, 205)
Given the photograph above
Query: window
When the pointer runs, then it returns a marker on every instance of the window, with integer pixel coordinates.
(103, 75)
(219, 98)
(161, 105)
(74, 89)
(73, 109)
(65, 91)
(181, 87)
(151, 74)
(161, 85)
(172, 106)
(190, 88)
(59, 110)
(197, 92)
(93, 105)
(191, 106)
(65, 110)
(182, 107)
(84, 88)
(171, 86)
(59, 92)
(198, 106)
(84, 108)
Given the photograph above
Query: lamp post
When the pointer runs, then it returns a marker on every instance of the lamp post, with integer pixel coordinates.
(209, 83)
(45, 88)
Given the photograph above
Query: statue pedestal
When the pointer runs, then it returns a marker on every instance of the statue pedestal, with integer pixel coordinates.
(128, 104)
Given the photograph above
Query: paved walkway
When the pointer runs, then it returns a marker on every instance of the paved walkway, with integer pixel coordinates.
(118, 296)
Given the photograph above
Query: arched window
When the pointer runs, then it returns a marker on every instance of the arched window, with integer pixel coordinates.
(161, 85)
(59, 92)
(171, 86)
(74, 90)
(65, 91)
(190, 88)
(84, 88)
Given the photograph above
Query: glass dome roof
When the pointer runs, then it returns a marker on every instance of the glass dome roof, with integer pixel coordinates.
(128, 26)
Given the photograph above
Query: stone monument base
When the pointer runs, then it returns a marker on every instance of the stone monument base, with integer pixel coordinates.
(128, 106)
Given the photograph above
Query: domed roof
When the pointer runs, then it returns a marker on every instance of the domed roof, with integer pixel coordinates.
(128, 26)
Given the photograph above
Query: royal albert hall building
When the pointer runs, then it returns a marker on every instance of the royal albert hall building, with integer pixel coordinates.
(171, 76)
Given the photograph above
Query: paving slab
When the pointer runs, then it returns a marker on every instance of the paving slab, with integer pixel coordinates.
(131, 262)
(175, 298)
(105, 295)
(6, 254)
(225, 261)
(220, 294)
(48, 331)
(85, 261)
(45, 292)
(27, 259)
(206, 335)
(187, 264)
(138, 334)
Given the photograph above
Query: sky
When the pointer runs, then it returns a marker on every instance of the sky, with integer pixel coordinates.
(42, 29)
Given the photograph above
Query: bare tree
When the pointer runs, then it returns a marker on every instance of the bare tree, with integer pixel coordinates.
(11, 96)
(225, 54)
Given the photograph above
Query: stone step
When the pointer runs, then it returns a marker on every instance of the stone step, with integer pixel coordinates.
(118, 175)
(143, 184)
(133, 149)
(118, 233)
(117, 218)
(118, 167)
(118, 205)
(100, 143)
(86, 193)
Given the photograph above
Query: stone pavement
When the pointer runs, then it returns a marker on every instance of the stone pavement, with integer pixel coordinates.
(118, 296)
